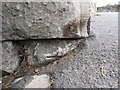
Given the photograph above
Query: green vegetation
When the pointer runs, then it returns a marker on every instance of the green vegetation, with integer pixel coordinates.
(97, 14)
(109, 5)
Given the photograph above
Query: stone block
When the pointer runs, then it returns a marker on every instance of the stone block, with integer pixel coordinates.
(45, 20)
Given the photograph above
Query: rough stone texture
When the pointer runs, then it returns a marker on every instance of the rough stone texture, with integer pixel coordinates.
(10, 57)
(82, 68)
(40, 81)
(42, 20)
(44, 51)
(34, 52)
(38, 20)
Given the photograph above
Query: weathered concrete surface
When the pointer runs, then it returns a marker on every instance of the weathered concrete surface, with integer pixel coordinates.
(10, 56)
(42, 20)
(38, 81)
(34, 52)
(38, 20)
(45, 51)
(94, 64)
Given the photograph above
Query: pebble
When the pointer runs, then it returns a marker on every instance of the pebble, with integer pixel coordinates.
(36, 70)
(37, 81)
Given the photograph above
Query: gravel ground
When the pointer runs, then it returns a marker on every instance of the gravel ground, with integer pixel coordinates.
(94, 63)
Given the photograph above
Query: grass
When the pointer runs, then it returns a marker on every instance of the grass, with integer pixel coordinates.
(97, 14)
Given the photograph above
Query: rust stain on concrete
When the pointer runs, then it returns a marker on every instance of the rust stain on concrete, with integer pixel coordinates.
(70, 29)
(74, 29)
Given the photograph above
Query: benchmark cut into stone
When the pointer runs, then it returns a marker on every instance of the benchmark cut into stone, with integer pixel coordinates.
(34, 52)
(46, 51)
